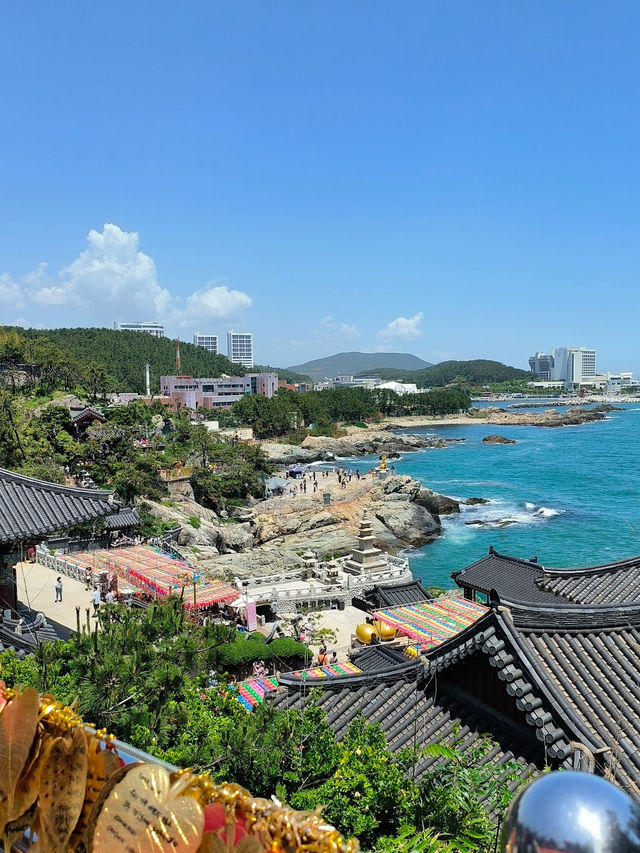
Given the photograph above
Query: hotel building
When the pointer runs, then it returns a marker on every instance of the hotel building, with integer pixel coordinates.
(240, 348)
(208, 342)
(155, 329)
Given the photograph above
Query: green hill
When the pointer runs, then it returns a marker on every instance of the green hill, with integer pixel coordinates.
(475, 372)
(124, 354)
(359, 362)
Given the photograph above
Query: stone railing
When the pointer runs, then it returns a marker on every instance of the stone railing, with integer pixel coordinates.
(59, 563)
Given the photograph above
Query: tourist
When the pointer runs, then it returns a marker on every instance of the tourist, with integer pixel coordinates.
(334, 658)
(97, 599)
(88, 578)
(323, 660)
(58, 588)
(110, 597)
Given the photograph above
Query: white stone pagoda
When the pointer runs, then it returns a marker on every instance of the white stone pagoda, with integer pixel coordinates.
(366, 557)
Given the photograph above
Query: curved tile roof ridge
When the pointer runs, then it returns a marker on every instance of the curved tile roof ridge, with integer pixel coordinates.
(627, 563)
(59, 488)
(546, 709)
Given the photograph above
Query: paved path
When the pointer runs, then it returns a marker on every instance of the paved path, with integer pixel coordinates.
(35, 590)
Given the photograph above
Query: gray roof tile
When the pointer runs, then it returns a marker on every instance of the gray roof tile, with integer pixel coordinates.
(31, 508)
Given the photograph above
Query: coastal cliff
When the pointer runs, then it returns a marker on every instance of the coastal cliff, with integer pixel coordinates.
(270, 536)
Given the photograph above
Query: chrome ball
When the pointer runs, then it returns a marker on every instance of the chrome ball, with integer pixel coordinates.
(569, 812)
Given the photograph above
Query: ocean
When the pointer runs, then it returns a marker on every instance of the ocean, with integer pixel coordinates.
(568, 495)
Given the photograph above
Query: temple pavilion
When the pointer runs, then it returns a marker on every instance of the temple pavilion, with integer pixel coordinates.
(550, 669)
(30, 510)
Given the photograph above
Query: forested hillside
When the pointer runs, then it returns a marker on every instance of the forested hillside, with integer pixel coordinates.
(122, 355)
(476, 372)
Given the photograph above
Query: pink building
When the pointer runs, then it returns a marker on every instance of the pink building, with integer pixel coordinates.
(221, 392)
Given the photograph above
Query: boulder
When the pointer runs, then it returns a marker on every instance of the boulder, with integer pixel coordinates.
(474, 501)
(408, 521)
(243, 514)
(234, 537)
(206, 534)
(497, 439)
(395, 484)
(435, 503)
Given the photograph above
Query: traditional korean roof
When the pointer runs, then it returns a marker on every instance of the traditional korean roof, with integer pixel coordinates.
(127, 517)
(31, 508)
(393, 595)
(411, 712)
(88, 413)
(366, 665)
(574, 684)
(529, 585)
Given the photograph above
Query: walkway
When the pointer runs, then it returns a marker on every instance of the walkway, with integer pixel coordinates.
(35, 590)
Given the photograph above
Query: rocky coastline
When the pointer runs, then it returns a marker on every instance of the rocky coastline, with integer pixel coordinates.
(356, 442)
(269, 537)
(496, 416)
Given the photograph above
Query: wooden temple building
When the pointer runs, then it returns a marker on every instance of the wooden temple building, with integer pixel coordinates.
(31, 510)
(550, 670)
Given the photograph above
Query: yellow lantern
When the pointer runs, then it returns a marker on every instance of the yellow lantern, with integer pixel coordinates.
(365, 632)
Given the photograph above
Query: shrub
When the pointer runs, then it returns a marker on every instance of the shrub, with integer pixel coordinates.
(257, 637)
(194, 521)
(287, 647)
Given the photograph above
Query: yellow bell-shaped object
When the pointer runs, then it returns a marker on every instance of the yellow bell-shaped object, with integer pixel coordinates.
(365, 632)
(386, 632)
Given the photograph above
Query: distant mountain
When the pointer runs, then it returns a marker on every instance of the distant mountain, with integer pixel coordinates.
(475, 372)
(359, 362)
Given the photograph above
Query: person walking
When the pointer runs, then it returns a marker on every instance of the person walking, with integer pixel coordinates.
(58, 588)
(88, 578)
(97, 599)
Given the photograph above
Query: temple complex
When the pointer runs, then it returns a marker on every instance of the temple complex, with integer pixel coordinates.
(549, 667)
(30, 510)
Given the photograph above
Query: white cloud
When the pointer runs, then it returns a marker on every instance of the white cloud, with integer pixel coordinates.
(113, 280)
(10, 292)
(335, 328)
(214, 302)
(405, 328)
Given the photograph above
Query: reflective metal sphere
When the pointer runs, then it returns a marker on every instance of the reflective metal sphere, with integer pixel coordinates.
(569, 812)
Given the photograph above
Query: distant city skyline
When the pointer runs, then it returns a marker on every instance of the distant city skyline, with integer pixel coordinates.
(451, 180)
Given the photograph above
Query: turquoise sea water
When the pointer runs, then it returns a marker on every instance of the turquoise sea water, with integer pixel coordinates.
(572, 493)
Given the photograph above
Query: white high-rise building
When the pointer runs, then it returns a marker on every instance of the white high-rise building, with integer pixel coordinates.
(574, 365)
(155, 329)
(240, 348)
(209, 342)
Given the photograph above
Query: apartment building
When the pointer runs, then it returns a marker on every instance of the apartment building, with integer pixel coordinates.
(208, 342)
(240, 348)
(152, 328)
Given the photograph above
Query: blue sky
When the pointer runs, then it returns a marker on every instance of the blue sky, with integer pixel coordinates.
(453, 179)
